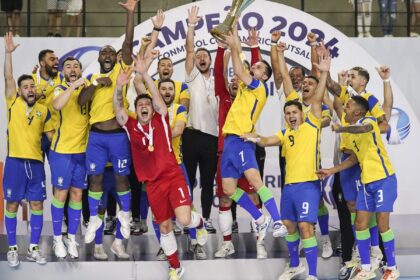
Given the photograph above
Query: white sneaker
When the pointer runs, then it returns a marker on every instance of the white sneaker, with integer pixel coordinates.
(290, 272)
(414, 34)
(375, 257)
(119, 250)
(59, 248)
(35, 255)
(225, 250)
(199, 252)
(364, 274)
(261, 252)
(361, 35)
(368, 35)
(124, 218)
(176, 273)
(262, 229)
(160, 256)
(390, 274)
(202, 235)
(311, 277)
(13, 257)
(279, 230)
(99, 253)
(72, 248)
(94, 224)
(327, 250)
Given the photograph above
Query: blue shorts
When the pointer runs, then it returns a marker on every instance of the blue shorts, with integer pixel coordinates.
(238, 156)
(350, 180)
(68, 170)
(24, 178)
(378, 196)
(299, 202)
(108, 147)
(108, 188)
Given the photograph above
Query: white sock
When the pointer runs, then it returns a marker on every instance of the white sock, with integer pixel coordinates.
(71, 236)
(225, 222)
(118, 241)
(168, 243)
(58, 237)
(359, 23)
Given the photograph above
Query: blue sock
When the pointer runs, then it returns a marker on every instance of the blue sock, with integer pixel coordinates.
(118, 234)
(74, 210)
(11, 222)
(293, 246)
(323, 218)
(389, 246)
(242, 199)
(144, 205)
(57, 213)
(99, 232)
(310, 248)
(157, 230)
(37, 220)
(363, 245)
(125, 200)
(94, 198)
(193, 233)
(270, 204)
(374, 232)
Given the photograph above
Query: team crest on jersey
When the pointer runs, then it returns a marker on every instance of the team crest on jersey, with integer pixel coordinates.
(92, 167)
(56, 92)
(60, 181)
(38, 114)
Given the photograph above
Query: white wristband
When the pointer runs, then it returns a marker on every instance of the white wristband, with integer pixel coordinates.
(95, 83)
(386, 81)
(192, 24)
(314, 44)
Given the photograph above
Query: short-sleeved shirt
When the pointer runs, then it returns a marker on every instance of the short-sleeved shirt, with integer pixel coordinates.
(375, 110)
(177, 113)
(370, 151)
(301, 150)
(71, 129)
(102, 107)
(246, 108)
(181, 91)
(307, 108)
(151, 165)
(203, 111)
(25, 127)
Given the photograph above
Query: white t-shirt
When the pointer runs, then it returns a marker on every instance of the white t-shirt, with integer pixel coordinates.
(204, 108)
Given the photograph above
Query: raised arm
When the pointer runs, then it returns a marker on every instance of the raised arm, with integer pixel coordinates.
(127, 47)
(157, 22)
(9, 48)
(314, 54)
(323, 66)
(219, 74)
(287, 81)
(385, 73)
(122, 80)
(274, 56)
(193, 19)
(252, 43)
(232, 41)
(61, 100)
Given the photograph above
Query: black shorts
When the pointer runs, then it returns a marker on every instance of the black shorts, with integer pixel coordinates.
(11, 5)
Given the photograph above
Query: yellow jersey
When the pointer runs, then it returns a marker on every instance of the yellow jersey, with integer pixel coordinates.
(25, 127)
(301, 150)
(101, 106)
(307, 108)
(375, 110)
(370, 151)
(246, 109)
(177, 113)
(181, 91)
(71, 129)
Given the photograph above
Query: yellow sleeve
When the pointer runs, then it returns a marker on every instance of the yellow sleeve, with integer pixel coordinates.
(280, 135)
(184, 94)
(293, 96)
(344, 96)
(375, 106)
(10, 100)
(48, 125)
(326, 112)
(182, 116)
(313, 120)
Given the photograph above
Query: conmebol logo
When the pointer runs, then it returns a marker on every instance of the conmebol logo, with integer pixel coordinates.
(399, 127)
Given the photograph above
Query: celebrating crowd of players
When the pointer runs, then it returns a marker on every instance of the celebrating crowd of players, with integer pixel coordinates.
(84, 127)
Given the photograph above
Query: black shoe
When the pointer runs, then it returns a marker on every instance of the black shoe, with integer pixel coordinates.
(186, 230)
(209, 226)
(50, 34)
(57, 35)
(235, 227)
(110, 225)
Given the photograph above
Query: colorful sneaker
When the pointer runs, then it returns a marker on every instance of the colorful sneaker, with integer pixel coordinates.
(199, 252)
(390, 274)
(13, 257)
(208, 224)
(290, 272)
(176, 273)
(225, 250)
(364, 274)
(348, 270)
(261, 251)
(59, 248)
(202, 236)
(376, 257)
(124, 218)
(110, 225)
(279, 230)
(118, 249)
(35, 255)
(99, 253)
(327, 250)
(160, 256)
(94, 223)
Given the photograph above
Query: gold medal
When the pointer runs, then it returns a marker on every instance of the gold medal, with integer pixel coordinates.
(151, 148)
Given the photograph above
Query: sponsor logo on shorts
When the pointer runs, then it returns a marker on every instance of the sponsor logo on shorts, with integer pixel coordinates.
(60, 181)
(9, 193)
(182, 201)
(303, 216)
(92, 167)
(243, 164)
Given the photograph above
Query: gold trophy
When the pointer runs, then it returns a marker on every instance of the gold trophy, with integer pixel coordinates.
(235, 10)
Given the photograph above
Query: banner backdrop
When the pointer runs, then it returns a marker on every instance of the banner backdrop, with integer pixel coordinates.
(265, 16)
